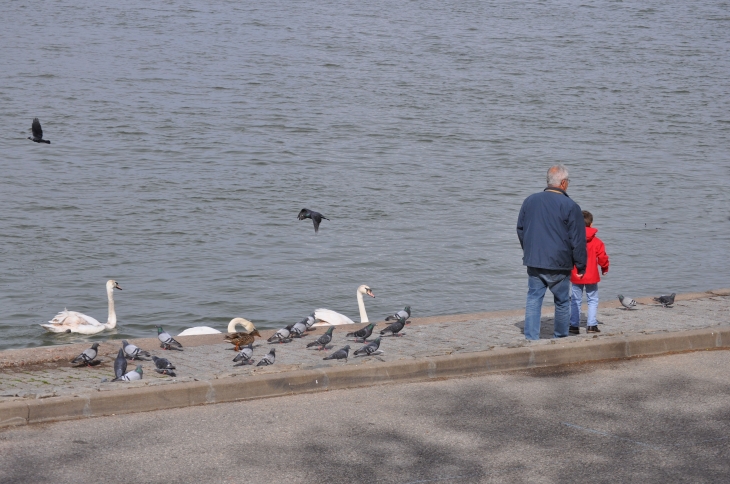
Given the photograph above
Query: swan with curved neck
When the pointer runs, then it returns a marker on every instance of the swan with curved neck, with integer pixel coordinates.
(327, 317)
(72, 322)
(247, 326)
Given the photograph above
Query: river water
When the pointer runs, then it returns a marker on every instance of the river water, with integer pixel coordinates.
(186, 136)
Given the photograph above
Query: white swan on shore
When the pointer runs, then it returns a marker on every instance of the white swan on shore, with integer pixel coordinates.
(327, 317)
(247, 325)
(72, 322)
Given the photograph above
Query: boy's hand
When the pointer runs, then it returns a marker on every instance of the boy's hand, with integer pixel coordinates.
(580, 276)
(603, 273)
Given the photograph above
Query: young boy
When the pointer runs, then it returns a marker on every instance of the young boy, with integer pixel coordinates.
(596, 257)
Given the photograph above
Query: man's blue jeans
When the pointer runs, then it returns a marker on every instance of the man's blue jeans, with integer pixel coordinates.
(539, 280)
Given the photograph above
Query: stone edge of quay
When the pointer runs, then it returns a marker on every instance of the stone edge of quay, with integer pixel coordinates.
(247, 387)
(57, 353)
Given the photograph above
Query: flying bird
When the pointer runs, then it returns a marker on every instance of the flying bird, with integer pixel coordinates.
(626, 302)
(120, 365)
(136, 374)
(133, 352)
(311, 214)
(323, 340)
(244, 356)
(167, 342)
(666, 301)
(268, 359)
(163, 363)
(406, 313)
(340, 354)
(363, 334)
(87, 356)
(394, 328)
(372, 348)
(37, 132)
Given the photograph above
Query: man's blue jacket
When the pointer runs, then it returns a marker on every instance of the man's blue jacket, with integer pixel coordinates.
(552, 231)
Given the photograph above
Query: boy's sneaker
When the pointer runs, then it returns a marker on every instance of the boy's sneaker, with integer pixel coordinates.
(574, 330)
(592, 329)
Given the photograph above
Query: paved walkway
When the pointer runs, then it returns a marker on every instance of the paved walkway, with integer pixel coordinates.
(205, 358)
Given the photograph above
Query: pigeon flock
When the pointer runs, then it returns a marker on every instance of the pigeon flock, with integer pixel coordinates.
(245, 351)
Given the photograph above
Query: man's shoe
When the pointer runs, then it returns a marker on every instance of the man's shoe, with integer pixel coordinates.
(574, 330)
(592, 329)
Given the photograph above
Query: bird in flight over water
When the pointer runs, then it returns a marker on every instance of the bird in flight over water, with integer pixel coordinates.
(315, 216)
(37, 132)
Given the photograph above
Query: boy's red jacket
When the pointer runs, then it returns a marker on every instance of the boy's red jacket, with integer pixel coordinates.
(596, 257)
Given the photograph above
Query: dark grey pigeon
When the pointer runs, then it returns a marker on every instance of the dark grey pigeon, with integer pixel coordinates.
(163, 363)
(666, 301)
(281, 336)
(120, 365)
(165, 371)
(87, 356)
(244, 356)
(311, 214)
(394, 328)
(133, 352)
(340, 354)
(298, 330)
(136, 374)
(167, 342)
(37, 132)
(323, 340)
(406, 313)
(268, 359)
(363, 334)
(370, 348)
(626, 302)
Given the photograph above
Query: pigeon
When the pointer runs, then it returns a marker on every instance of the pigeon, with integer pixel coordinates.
(268, 359)
(298, 330)
(244, 356)
(666, 301)
(406, 313)
(87, 356)
(133, 352)
(165, 371)
(626, 302)
(163, 363)
(363, 334)
(315, 216)
(369, 349)
(340, 354)
(37, 132)
(281, 336)
(133, 375)
(167, 342)
(309, 321)
(323, 340)
(120, 365)
(394, 328)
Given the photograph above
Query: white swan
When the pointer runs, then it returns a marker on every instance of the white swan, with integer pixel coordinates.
(247, 325)
(329, 317)
(72, 322)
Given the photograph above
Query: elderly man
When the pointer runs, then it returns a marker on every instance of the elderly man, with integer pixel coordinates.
(553, 238)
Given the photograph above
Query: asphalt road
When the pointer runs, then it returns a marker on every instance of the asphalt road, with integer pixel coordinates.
(664, 419)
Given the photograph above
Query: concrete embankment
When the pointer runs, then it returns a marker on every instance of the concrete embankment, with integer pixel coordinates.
(39, 385)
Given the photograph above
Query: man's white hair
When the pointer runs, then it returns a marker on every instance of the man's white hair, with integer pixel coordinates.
(556, 174)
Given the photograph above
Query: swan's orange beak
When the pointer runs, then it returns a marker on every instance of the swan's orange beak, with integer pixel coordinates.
(370, 293)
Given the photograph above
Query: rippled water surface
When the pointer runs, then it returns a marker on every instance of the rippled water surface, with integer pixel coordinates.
(186, 137)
